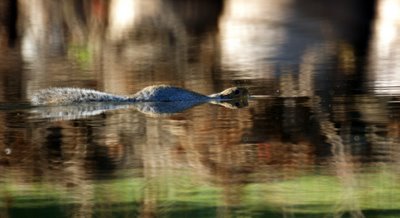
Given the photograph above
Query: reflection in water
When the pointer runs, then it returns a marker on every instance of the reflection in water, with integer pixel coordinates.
(250, 34)
(320, 139)
(384, 69)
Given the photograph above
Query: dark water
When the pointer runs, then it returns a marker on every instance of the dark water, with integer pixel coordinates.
(320, 137)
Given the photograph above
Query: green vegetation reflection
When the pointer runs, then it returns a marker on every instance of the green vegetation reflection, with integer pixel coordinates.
(307, 195)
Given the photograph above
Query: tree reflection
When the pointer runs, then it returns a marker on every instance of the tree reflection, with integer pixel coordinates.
(321, 139)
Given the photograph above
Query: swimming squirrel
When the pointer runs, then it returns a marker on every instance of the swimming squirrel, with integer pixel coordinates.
(158, 93)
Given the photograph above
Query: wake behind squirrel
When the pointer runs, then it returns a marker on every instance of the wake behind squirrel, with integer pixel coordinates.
(158, 93)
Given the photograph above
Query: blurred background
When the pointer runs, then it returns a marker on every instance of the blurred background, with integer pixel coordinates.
(323, 139)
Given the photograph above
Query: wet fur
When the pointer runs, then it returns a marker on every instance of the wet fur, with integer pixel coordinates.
(60, 96)
(160, 93)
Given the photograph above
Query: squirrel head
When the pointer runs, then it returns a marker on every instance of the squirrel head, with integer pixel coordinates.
(234, 93)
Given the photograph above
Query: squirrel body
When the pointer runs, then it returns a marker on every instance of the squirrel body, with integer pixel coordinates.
(158, 93)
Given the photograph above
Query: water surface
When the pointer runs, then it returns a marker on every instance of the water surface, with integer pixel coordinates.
(320, 137)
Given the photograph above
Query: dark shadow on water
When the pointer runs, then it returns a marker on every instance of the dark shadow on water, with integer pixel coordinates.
(9, 20)
(54, 145)
(198, 16)
(175, 209)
